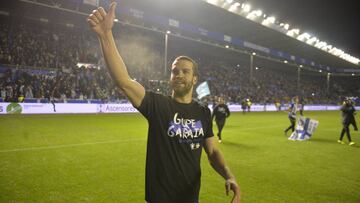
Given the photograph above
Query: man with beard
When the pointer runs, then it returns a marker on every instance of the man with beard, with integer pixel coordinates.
(179, 127)
(220, 113)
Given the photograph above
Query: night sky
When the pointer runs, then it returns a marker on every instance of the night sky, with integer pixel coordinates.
(336, 22)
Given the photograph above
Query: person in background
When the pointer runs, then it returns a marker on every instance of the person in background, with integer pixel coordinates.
(292, 114)
(248, 104)
(243, 105)
(301, 106)
(347, 114)
(220, 113)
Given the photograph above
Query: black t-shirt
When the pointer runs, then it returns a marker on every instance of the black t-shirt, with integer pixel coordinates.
(348, 114)
(221, 111)
(175, 139)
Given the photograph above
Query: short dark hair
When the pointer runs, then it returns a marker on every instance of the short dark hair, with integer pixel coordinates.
(195, 65)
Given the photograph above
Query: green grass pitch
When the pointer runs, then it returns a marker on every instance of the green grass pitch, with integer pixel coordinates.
(101, 158)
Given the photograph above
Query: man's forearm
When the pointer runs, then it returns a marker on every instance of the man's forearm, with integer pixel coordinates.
(113, 60)
(132, 89)
(217, 161)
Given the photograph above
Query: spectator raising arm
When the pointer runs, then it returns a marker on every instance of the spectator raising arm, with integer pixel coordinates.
(101, 23)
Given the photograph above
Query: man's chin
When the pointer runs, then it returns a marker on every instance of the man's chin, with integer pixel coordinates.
(180, 91)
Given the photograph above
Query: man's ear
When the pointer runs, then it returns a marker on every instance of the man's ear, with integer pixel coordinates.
(195, 80)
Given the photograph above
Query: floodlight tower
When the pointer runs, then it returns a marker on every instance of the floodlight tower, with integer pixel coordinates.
(166, 50)
(298, 79)
(328, 83)
(251, 65)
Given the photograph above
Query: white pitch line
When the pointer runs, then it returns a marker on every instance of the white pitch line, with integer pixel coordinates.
(68, 145)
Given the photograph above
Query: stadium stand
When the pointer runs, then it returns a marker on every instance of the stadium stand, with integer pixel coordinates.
(38, 60)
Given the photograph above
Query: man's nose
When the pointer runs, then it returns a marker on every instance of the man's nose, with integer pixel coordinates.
(180, 74)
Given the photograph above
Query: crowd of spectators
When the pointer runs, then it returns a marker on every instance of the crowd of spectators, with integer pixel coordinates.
(39, 62)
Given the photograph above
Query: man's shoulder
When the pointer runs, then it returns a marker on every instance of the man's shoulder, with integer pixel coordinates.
(201, 105)
(157, 95)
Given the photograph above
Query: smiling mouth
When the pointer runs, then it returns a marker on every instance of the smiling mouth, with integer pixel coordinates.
(179, 82)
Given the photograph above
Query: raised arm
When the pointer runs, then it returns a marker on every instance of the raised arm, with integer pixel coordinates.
(217, 161)
(101, 23)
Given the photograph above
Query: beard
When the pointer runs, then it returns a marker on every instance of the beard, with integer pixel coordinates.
(181, 88)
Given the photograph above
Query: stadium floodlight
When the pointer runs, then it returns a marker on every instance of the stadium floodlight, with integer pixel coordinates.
(44, 20)
(347, 57)
(254, 14)
(258, 13)
(293, 32)
(338, 52)
(312, 40)
(214, 2)
(286, 26)
(234, 6)
(304, 36)
(271, 19)
(332, 50)
(327, 47)
(320, 44)
(353, 60)
(246, 7)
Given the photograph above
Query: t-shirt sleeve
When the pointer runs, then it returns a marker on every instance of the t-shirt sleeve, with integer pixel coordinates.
(147, 105)
(227, 111)
(214, 112)
(209, 132)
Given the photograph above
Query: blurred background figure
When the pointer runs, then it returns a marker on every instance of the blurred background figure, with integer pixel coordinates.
(220, 113)
(348, 112)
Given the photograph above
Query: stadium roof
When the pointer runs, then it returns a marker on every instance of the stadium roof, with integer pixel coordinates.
(217, 19)
(335, 22)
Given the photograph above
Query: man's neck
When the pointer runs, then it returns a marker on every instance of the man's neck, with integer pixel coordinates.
(184, 99)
